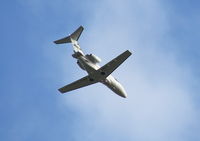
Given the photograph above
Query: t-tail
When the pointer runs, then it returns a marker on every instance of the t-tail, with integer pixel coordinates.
(73, 38)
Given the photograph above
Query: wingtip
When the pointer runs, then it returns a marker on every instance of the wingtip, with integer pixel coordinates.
(81, 27)
(55, 42)
(129, 52)
(61, 92)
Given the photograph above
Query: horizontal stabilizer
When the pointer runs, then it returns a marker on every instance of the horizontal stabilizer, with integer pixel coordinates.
(74, 36)
(63, 40)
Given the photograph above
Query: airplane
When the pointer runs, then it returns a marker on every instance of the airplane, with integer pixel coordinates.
(90, 64)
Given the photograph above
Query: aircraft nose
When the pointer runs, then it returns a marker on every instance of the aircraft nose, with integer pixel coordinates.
(123, 92)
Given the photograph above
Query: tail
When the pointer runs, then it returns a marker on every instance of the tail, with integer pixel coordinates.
(73, 37)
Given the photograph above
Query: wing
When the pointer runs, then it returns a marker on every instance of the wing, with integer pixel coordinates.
(100, 74)
(108, 68)
(85, 81)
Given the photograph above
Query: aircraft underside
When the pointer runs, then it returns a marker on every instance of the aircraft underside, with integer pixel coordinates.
(89, 63)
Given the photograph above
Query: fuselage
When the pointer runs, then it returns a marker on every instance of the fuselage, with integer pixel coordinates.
(90, 67)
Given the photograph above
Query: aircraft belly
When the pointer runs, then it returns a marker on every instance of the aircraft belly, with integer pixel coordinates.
(89, 66)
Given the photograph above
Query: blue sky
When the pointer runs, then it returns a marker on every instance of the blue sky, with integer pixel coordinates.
(161, 77)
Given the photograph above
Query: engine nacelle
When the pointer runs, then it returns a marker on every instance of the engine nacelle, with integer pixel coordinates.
(93, 58)
(80, 65)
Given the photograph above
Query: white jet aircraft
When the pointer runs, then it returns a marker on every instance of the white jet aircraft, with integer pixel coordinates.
(89, 63)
